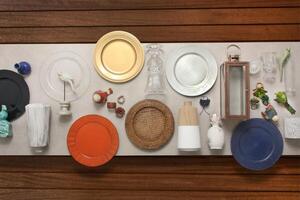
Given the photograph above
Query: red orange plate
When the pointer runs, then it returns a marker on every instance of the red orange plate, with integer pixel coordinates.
(92, 140)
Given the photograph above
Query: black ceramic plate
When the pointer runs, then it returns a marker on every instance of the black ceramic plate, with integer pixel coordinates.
(14, 93)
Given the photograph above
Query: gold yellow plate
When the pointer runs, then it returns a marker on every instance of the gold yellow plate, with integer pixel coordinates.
(118, 56)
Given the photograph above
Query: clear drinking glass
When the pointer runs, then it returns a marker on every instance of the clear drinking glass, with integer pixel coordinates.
(270, 65)
(155, 87)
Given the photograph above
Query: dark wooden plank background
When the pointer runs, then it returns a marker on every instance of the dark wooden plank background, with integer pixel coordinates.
(207, 177)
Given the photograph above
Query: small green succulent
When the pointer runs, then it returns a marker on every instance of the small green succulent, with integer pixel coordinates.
(281, 98)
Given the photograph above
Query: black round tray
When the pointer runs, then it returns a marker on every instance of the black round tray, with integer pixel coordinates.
(14, 93)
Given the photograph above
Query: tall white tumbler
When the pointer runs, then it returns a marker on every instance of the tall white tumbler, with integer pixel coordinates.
(38, 124)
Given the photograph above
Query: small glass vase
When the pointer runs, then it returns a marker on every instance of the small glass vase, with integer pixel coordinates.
(155, 88)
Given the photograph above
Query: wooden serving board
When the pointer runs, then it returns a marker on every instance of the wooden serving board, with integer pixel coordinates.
(134, 92)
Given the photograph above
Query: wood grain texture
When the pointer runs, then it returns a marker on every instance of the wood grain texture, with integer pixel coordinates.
(37, 5)
(151, 17)
(207, 177)
(238, 33)
(188, 115)
(202, 165)
(58, 194)
(156, 182)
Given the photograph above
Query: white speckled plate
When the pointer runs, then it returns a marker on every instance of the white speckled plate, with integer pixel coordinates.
(191, 70)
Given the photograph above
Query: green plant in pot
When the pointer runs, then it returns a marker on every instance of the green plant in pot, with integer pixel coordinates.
(281, 98)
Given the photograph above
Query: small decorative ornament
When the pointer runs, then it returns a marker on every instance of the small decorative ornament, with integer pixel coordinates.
(101, 96)
(120, 112)
(215, 134)
(270, 114)
(5, 126)
(66, 78)
(23, 68)
(265, 100)
(254, 103)
(204, 103)
(261, 93)
(281, 98)
(65, 108)
(111, 105)
(121, 99)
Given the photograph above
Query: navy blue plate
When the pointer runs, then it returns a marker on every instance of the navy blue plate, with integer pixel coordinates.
(256, 144)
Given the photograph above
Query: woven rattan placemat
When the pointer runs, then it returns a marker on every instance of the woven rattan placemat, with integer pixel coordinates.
(149, 124)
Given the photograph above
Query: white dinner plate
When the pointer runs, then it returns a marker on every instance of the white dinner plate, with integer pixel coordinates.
(191, 70)
(70, 63)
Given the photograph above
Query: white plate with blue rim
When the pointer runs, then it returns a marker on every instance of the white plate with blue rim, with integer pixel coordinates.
(191, 70)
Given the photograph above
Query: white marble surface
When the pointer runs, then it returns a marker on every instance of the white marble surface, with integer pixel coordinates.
(134, 91)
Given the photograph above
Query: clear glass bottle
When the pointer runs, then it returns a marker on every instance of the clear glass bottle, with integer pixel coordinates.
(155, 88)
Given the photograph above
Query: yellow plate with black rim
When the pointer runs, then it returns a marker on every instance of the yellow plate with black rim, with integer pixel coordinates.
(118, 56)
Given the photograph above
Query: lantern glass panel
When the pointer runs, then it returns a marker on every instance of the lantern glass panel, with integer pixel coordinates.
(237, 90)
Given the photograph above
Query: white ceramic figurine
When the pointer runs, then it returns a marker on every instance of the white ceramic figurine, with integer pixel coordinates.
(67, 79)
(65, 105)
(215, 133)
